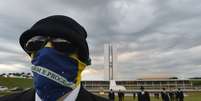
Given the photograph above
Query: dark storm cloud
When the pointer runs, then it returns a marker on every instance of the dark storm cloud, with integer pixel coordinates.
(153, 36)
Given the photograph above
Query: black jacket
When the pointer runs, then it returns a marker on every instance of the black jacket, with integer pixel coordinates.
(29, 95)
(143, 97)
(111, 95)
(180, 95)
(165, 96)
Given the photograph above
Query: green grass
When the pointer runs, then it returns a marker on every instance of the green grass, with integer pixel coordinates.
(196, 96)
(16, 82)
(193, 97)
(196, 82)
(4, 93)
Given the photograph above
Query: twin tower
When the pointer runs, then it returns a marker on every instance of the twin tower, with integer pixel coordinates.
(110, 62)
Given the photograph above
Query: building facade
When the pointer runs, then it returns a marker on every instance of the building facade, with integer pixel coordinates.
(134, 85)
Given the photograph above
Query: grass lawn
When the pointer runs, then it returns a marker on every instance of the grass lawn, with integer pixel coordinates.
(190, 97)
(16, 82)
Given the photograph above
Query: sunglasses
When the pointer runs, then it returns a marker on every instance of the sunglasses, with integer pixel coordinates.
(62, 45)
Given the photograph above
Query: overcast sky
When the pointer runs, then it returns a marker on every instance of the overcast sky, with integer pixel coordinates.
(154, 37)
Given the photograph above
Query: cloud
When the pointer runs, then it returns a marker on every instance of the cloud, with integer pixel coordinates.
(92, 74)
(13, 68)
(129, 15)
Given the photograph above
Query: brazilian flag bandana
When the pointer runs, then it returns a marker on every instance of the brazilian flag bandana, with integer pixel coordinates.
(55, 74)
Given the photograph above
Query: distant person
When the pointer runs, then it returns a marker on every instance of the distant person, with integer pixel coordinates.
(179, 95)
(59, 53)
(143, 95)
(134, 95)
(171, 95)
(165, 95)
(121, 95)
(111, 95)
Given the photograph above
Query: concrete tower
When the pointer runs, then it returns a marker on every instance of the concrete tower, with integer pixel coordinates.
(110, 62)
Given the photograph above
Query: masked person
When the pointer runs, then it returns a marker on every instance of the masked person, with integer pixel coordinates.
(59, 53)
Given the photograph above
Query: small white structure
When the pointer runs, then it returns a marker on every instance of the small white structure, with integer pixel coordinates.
(2, 88)
(116, 87)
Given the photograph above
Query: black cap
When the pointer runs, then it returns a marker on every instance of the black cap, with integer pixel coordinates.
(63, 27)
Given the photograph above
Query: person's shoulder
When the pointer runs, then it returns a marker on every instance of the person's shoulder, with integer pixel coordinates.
(98, 98)
(20, 96)
(88, 96)
(10, 97)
